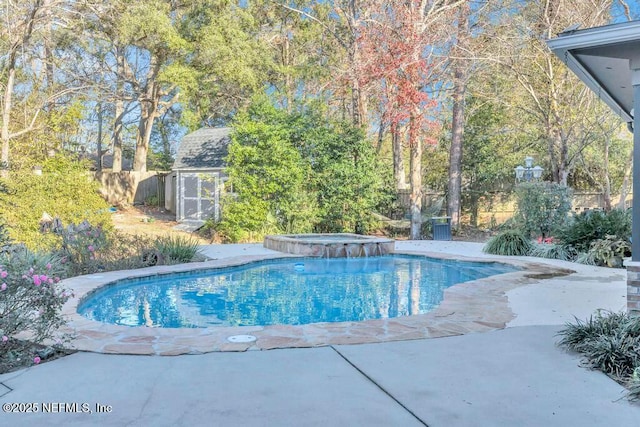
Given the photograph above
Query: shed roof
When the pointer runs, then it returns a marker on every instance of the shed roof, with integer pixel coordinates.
(203, 149)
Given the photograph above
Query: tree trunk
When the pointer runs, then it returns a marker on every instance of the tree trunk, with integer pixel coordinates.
(624, 188)
(607, 180)
(119, 111)
(6, 117)
(358, 103)
(415, 179)
(48, 53)
(563, 171)
(398, 160)
(288, 79)
(553, 138)
(15, 45)
(381, 130)
(99, 141)
(149, 111)
(474, 207)
(455, 153)
(457, 120)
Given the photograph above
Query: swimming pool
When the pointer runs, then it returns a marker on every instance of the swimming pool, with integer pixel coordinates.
(292, 291)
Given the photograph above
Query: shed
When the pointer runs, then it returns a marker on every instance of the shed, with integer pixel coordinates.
(198, 175)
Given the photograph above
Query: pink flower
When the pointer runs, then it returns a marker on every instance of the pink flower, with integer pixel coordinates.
(36, 280)
(91, 248)
(3, 286)
(50, 281)
(43, 277)
(3, 274)
(31, 270)
(36, 360)
(5, 338)
(49, 266)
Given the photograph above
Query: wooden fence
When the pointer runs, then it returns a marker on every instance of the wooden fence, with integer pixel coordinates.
(501, 205)
(128, 187)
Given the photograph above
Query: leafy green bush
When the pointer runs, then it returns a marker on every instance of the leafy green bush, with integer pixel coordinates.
(245, 221)
(299, 172)
(586, 227)
(609, 342)
(176, 249)
(610, 251)
(270, 178)
(347, 181)
(31, 299)
(64, 190)
(553, 251)
(511, 242)
(541, 207)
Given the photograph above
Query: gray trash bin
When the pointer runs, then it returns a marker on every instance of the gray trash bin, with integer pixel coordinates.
(441, 227)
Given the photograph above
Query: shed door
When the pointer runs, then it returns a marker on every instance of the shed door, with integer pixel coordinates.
(199, 196)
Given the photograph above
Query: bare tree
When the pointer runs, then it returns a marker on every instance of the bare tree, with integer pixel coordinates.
(552, 95)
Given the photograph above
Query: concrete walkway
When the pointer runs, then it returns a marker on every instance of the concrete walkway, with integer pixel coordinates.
(511, 377)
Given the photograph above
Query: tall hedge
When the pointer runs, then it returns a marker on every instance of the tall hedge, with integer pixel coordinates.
(65, 190)
(296, 172)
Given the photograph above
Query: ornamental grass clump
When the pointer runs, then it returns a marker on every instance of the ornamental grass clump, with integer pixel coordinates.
(510, 242)
(176, 249)
(31, 299)
(609, 342)
(553, 251)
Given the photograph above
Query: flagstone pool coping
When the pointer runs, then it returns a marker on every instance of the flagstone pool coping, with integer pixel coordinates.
(475, 306)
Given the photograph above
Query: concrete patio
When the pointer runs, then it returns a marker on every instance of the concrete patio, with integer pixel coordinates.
(516, 376)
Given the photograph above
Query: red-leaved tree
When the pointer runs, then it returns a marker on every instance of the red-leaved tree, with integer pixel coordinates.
(403, 47)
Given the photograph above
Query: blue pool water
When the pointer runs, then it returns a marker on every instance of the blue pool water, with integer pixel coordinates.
(292, 291)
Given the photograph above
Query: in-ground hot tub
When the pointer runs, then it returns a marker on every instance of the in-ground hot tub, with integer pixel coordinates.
(330, 245)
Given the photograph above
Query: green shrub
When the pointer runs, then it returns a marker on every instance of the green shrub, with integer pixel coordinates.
(609, 342)
(245, 221)
(511, 242)
(151, 201)
(176, 249)
(297, 172)
(553, 251)
(541, 207)
(610, 251)
(586, 227)
(270, 177)
(31, 298)
(64, 190)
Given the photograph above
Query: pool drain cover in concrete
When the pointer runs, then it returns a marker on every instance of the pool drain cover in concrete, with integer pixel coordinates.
(241, 338)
